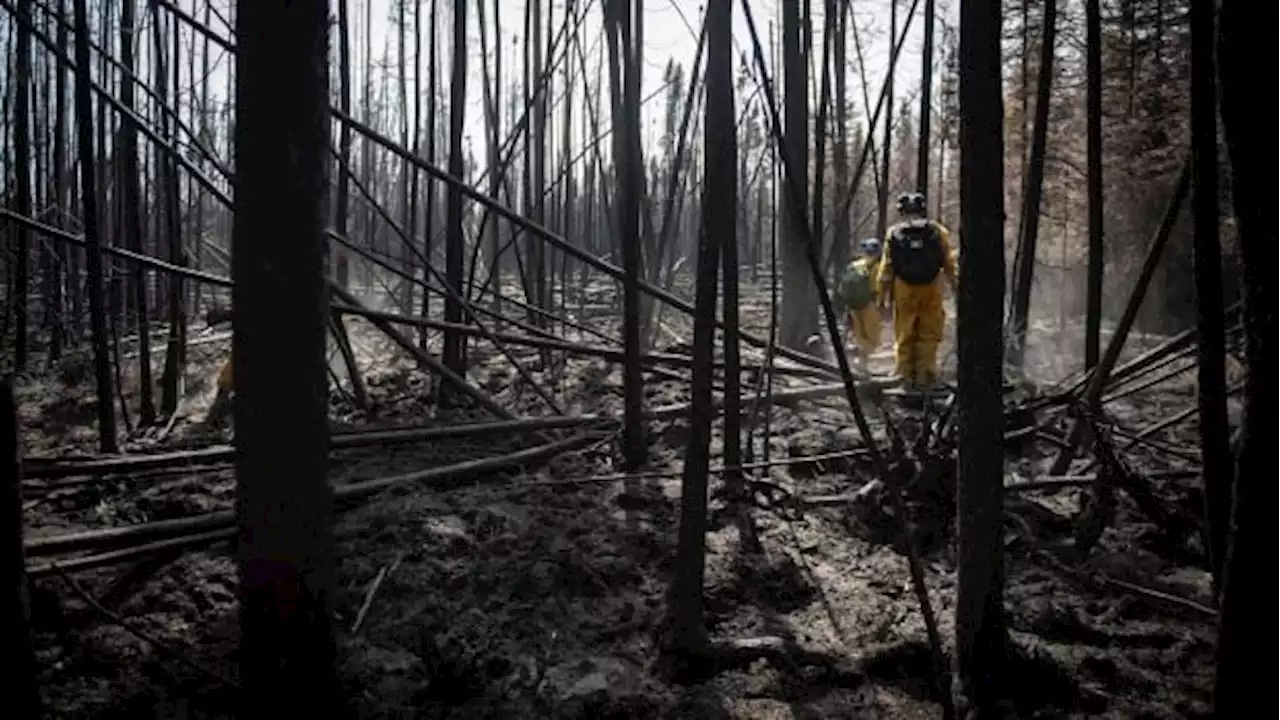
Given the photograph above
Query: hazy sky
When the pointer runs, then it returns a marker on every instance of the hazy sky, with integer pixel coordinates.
(670, 34)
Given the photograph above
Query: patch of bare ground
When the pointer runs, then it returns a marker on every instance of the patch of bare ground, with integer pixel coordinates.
(539, 591)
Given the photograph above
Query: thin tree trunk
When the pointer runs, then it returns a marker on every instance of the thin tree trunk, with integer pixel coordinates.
(1211, 373)
(342, 261)
(22, 166)
(131, 202)
(107, 442)
(719, 216)
(925, 144)
(1032, 192)
(455, 347)
(175, 361)
(21, 667)
(797, 291)
(1093, 71)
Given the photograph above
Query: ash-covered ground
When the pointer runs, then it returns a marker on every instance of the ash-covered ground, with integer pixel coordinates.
(540, 592)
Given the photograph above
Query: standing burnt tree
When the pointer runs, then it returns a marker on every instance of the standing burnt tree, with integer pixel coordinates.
(280, 300)
(1243, 683)
(797, 285)
(1211, 365)
(719, 227)
(980, 626)
(89, 188)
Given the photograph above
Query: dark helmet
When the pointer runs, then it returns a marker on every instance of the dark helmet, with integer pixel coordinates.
(911, 203)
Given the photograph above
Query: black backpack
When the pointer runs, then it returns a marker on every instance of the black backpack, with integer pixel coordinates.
(915, 252)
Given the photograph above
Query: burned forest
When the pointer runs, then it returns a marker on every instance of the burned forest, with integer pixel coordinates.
(581, 359)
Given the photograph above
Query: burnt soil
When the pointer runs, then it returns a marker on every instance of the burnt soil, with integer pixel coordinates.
(540, 593)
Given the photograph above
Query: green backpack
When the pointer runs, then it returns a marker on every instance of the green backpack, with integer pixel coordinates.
(855, 287)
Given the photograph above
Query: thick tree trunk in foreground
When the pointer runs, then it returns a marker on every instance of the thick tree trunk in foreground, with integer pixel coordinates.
(981, 637)
(455, 344)
(280, 299)
(1248, 597)
(16, 648)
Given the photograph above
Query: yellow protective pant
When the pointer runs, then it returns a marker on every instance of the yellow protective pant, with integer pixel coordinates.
(864, 325)
(918, 320)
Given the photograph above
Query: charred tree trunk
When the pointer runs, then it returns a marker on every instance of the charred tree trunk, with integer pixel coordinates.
(924, 144)
(280, 299)
(342, 261)
(840, 242)
(981, 634)
(1093, 71)
(455, 343)
(1211, 366)
(22, 167)
(798, 292)
(1247, 598)
(1032, 192)
(107, 442)
(130, 205)
(21, 667)
(886, 173)
(689, 635)
(623, 61)
(175, 359)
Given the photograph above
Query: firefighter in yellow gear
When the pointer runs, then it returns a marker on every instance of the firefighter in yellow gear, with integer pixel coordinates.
(865, 322)
(917, 261)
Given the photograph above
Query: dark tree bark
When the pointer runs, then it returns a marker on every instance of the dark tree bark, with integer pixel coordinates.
(720, 201)
(1093, 71)
(1243, 683)
(718, 226)
(107, 442)
(981, 635)
(886, 172)
(429, 211)
(840, 242)
(131, 204)
(925, 144)
(22, 166)
(455, 344)
(62, 191)
(280, 300)
(1032, 192)
(175, 359)
(624, 60)
(1211, 376)
(342, 262)
(797, 286)
(21, 670)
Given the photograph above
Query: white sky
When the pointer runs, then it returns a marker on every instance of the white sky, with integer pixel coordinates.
(670, 34)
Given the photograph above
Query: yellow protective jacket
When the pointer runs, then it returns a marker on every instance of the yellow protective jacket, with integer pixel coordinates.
(918, 313)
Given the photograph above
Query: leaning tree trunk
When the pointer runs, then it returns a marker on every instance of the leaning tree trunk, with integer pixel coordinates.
(280, 299)
(981, 635)
(1032, 192)
(1247, 598)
